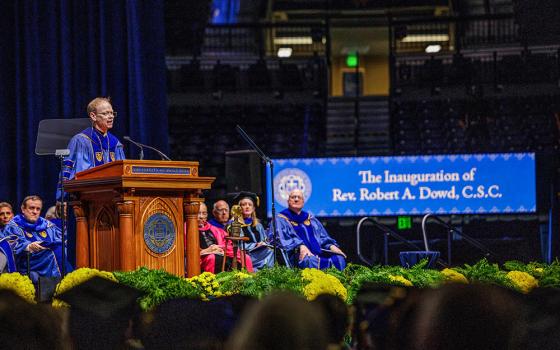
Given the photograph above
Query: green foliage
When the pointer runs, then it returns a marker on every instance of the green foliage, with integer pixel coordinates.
(231, 282)
(485, 272)
(422, 277)
(533, 268)
(550, 276)
(268, 280)
(158, 286)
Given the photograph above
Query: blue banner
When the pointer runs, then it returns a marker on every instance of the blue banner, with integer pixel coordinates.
(411, 185)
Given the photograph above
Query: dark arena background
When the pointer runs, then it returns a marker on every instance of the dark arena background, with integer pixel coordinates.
(304, 79)
(338, 78)
(424, 135)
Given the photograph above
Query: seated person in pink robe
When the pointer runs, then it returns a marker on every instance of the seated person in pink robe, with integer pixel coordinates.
(212, 243)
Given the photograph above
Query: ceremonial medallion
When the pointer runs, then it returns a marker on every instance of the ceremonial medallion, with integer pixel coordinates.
(159, 233)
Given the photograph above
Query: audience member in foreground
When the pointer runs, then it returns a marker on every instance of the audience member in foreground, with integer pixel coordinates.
(338, 317)
(28, 326)
(458, 316)
(102, 314)
(189, 324)
(281, 321)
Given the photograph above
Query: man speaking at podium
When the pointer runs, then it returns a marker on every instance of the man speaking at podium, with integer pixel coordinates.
(93, 146)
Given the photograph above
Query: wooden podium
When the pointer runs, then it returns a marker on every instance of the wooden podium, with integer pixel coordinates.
(132, 213)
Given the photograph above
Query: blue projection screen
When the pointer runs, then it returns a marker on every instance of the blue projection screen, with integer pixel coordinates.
(411, 185)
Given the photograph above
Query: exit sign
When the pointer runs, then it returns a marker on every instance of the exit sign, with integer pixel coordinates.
(352, 60)
(404, 222)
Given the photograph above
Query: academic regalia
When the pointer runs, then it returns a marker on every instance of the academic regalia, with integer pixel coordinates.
(215, 222)
(209, 235)
(295, 230)
(260, 256)
(88, 149)
(6, 250)
(44, 263)
(220, 240)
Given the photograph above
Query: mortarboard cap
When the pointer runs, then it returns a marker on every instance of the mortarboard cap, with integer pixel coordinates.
(245, 194)
(101, 297)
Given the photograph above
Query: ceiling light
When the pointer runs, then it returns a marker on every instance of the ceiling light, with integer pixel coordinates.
(293, 40)
(284, 52)
(433, 48)
(419, 38)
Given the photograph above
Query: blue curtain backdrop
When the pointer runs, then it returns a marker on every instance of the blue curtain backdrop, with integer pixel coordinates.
(55, 56)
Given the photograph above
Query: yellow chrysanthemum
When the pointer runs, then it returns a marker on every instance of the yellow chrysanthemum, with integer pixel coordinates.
(206, 285)
(523, 281)
(20, 284)
(400, 280)
(242, 275)
(77, 277)
(321, 283)
(452, 276)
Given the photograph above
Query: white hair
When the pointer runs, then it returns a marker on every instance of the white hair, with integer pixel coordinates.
(299, 191)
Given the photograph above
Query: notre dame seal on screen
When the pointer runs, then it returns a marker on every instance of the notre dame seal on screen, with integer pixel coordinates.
(159, 233)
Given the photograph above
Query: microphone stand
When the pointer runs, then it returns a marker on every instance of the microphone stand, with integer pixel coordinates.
(141, 156)
(61, 154)
(268, 161)
(141, 145)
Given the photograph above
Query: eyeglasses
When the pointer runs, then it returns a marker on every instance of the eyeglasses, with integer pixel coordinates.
(296, 197)
(107, 114)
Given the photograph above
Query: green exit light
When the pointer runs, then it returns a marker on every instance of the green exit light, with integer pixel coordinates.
(404, 222)
(352, 60)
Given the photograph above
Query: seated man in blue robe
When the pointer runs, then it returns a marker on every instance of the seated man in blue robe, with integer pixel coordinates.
(93, 146)
(304, 239)
(7, 261)
(30, 233)
(6, 214)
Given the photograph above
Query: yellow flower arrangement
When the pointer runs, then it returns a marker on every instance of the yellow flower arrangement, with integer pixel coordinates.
(242, 275)
(20, 284)
(522, 281)
(207, 285)
(452, 276)
(321, 283)
(77, 277)
(400, 280)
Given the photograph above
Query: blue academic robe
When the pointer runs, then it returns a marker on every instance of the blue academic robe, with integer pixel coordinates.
(6, 249)
(48, 262)
(88, 149)
(304, 229)
(262, 256)
(215, 222)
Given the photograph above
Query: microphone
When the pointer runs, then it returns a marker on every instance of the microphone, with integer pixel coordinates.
(141, 145)
(137, 145)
